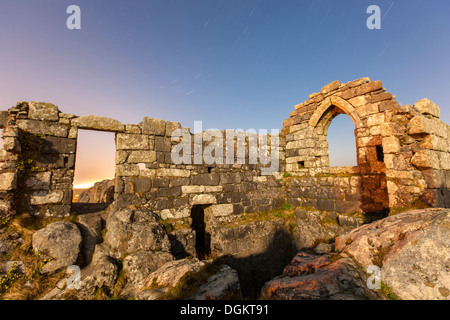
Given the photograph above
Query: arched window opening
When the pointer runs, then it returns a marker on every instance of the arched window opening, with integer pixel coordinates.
(341, 142)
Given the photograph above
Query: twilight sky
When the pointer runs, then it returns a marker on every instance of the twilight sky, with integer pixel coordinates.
(230, 63)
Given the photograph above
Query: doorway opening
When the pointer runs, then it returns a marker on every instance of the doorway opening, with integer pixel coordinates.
(93, 185)
(202, 237)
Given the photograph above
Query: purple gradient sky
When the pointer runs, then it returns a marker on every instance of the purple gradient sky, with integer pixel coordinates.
(230, 63)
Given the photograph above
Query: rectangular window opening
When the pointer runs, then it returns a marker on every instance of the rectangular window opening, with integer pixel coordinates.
(301, 164)
(380, 153)
(94, 169)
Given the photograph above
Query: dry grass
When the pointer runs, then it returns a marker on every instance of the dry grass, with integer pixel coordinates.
(30, 284)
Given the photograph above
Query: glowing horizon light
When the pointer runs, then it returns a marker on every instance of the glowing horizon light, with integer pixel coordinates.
(84, 185)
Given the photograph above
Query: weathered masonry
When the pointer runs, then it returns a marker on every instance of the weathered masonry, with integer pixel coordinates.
(403, 156)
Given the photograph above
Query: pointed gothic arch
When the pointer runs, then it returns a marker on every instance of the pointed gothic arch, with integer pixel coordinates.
(330, 103)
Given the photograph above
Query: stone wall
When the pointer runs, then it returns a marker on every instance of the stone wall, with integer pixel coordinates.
(338, 191)
(39, 158)
(146, 175)
(402, 151)
(402, 154)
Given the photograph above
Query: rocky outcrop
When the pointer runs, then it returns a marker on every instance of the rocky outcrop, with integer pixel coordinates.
(136, 234)
(59, 241)
(137, 266)
(101, 192)
(221, 284)
(133, 229)
(259, 250)
(90, 226)
(313, 277)
(412, 249)
(102, 273)
(168, 276)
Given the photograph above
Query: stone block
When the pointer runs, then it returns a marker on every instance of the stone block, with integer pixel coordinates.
(58, 145)
(422, 124)
(426, 159)
(326, 204)
(375, 119)
(127, 170)
(138, 185)
(369, 87)
(428, 107)
(288, 123)
(167, 172)
(141, 156)
(98, 123)
(11, 131)
(43, 128)
(153, 126)
(63, 115)
(3, 118)
(299, 106)
(8, 181)
(46, 197)
(381, 97)
(358, 82)
(233, 178)
(203, 199)
(362, 89)
(64, 121)
(161, 182)
(435, 179)
(163, 144)
(330, 87)
(444, 160)
(132, 128)
(171, 127)
(43, 111)
(200, 189)
(11, 144)
(220, 210)
(6, 156)
(391, 145)
(358, 101)
(126, 141)
(39, 181)
(121, 156)
(207, 179)
(73, 133)
(433, 142)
